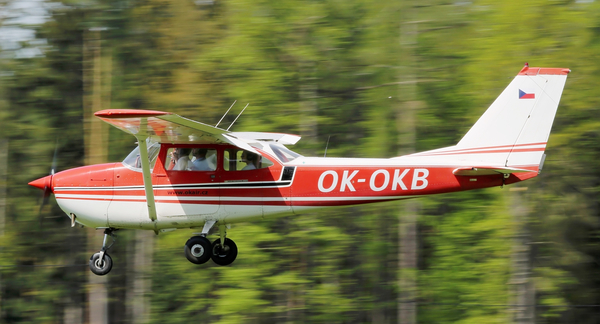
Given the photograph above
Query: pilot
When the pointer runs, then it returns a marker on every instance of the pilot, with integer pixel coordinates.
(200, 162)
(251, 160)
(183, 160)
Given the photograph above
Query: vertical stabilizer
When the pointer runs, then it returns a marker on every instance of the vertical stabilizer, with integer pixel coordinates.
(513, 132)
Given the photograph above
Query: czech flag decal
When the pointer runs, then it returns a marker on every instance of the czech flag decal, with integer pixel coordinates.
(524, 95)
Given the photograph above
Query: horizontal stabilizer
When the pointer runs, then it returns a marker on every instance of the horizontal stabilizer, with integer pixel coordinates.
(481, 171)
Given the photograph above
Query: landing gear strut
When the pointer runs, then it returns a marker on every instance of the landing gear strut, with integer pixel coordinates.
(222, 251)
(101, 262)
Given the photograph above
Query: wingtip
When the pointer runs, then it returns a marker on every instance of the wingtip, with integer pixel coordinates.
(129, 113)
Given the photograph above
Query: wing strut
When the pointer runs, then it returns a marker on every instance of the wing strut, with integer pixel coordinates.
(141, 137)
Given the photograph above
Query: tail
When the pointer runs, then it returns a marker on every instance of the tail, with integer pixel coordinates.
(513, 132)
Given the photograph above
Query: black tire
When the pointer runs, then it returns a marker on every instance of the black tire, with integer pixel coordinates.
(224, 255)
(197, 249)
(100, 267)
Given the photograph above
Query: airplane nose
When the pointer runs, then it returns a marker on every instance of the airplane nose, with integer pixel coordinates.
(42, 183)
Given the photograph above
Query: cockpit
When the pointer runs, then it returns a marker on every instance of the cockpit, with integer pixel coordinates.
(208, 157)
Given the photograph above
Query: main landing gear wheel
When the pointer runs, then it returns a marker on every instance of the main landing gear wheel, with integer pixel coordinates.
(101, 262)
(100, 266)
(224, 254)
(197, 249)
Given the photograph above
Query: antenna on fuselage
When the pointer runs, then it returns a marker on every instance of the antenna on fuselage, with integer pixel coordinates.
(238, 116)
(225, 113)
(326, 146)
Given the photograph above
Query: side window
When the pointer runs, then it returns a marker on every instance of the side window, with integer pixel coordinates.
(191, 159)
(240, 160)
(264, 162)
(133, 159)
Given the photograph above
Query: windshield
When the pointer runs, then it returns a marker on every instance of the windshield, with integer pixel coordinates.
(133, 159)
(284, 154)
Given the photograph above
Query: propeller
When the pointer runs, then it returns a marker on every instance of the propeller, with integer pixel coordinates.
(45, 183)
(48, 184)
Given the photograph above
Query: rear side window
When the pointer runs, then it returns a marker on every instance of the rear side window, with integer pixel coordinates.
(241, 160)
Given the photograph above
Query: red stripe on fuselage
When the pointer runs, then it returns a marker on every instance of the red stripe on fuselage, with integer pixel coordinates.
(313, 186)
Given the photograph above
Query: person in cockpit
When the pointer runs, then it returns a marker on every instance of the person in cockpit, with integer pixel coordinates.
(182, 158)
(200, 162)
(250, 159)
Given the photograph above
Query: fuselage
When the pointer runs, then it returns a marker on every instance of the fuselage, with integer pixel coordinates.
(112, 195)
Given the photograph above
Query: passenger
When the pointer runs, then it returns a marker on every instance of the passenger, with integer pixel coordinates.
(251, 160)
(173, 158)
(200, 163)
(181, 155)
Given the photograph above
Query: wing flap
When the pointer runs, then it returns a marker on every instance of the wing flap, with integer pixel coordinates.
(285, 139)
(241, 144)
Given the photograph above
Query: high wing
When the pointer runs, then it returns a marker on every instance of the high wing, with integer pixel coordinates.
(165, 127)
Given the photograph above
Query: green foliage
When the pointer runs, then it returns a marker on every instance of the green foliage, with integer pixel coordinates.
(327, 70)
(468, 252)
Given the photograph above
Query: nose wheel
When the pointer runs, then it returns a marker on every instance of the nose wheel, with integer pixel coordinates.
(101, 262)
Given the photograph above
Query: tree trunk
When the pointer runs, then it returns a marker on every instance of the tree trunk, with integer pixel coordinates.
(308, 105)
(95, 152)
(523, 291)
(406, 121)
(140, 284)
(3, 184)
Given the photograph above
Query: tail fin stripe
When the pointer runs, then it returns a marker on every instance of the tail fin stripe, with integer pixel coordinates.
(491, 149)
(541, 149)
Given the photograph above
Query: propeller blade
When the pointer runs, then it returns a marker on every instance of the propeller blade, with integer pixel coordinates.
(53, 168)
(45, 183)
(45, 197)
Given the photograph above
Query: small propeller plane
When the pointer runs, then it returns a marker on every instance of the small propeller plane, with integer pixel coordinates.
(186, 174)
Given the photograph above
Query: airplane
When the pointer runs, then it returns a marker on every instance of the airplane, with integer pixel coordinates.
(186, 174)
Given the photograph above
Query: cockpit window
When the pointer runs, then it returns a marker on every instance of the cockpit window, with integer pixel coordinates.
(133, 159)
(284, 154)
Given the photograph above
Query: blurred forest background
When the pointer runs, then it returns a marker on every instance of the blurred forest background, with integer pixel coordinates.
(376, 78)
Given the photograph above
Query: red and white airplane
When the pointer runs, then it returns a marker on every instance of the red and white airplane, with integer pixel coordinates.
(185, 174)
